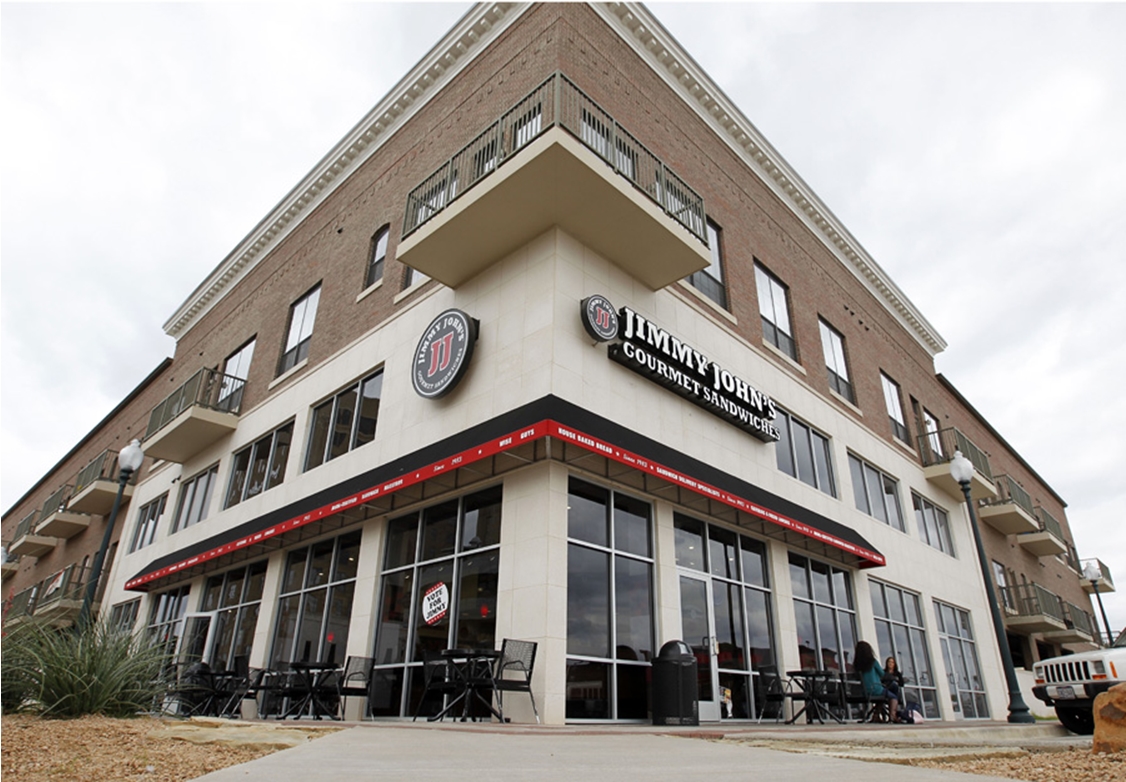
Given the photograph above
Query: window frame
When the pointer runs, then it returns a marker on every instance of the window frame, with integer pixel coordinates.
(818, 445)
(942, 539)
(377, 256)
(863, 492)
(295, 347)
(333, 405)
(779, 335)
(712, 285)
(182, 519)
(148, 518)
(251, 453)
(836, 361)
(893, 399)
(233, 381)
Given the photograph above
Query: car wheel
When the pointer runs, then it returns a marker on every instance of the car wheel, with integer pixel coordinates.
(1081, 721)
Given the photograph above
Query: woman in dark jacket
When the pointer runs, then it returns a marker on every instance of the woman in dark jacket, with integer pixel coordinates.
(872, 675)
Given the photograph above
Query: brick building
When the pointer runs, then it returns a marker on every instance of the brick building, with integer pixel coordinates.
(555, 346)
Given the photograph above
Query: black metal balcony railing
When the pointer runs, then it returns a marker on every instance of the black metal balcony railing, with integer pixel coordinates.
(23, 603)
(939, 447)
(1031, 600)
(1048, 523)
(207, 388)
(24, 527)
(102, 468)
(1100, 566)
(55, 502)
(68, 584)
(557, 102)
(1009, 491)
(1077, 619)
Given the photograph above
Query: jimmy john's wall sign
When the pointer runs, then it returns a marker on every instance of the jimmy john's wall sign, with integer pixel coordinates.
(443, 354)
(653, 352)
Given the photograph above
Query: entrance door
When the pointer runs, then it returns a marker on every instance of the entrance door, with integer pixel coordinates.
(195, 641)
(696, 622)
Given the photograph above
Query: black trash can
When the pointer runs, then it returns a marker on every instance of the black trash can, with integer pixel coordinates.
(675, 695)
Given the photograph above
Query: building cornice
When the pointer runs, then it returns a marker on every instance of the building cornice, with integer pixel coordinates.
(653, 43)
(472, 34)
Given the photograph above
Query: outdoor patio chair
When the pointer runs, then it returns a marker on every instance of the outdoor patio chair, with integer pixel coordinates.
(355, 679)
(873, 708)
(518, 658)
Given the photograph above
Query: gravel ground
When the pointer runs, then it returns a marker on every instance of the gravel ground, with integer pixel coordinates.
(98, 749)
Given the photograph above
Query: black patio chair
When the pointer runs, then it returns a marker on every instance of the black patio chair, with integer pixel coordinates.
(355, 679)
(772, 695)
(873, 708)
(519, 658)
(440, 679)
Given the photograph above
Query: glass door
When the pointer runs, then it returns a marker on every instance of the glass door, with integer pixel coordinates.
(697, 623)
(196, 640)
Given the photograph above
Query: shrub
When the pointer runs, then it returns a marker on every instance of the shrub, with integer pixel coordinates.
(70, 672)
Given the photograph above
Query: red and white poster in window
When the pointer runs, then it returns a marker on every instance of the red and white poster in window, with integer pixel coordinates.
(435, 603)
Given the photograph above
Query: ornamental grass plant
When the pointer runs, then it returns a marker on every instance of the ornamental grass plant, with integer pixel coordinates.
(70, 672)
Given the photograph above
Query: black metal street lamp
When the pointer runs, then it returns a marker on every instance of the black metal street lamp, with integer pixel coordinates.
(128, 461)
(1092, 573)
(962, 470)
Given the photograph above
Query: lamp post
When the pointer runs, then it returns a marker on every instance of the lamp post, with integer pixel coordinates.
(128, 461)
(962, 470)
(1093, 574)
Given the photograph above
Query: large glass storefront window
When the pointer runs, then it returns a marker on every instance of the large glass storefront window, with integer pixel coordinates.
(725, 616)
(236, 597)
(610, 627)
(165, 618)
(959, 653)
(900, 633)
(438, 591)
(825, 614)
(315, 606)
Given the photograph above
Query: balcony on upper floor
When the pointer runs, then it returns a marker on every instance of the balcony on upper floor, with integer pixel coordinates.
(197, 414)
(936, 449)
(21, 606)
(555, 158)
(9, 563)
(1095, 576)
(57, 519)
(1048, 540)
(27, 542)
(60, 596)
(1030, 608)
(95, 487)
(1078, 627)
(1011, 512)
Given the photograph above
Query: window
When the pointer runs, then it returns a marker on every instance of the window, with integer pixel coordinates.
(413, 277)
(165, 625)
(236, 595)
(803, 453)
(894, 401)
(1000, 576)
(775, 312)
(930, 426)
(709, 281)
(235, 370)
(876, 493)
(611, 629)
(900, 634)
(344, 422)
(933, 525)
(378, 256)
(301, 317)
(959, 654)
(832, 343)
(825, 614)
(124, 615)
(260, 466)
(146, 523)
(315, 605)
(450, 552)
(195, 497)
(739, 574)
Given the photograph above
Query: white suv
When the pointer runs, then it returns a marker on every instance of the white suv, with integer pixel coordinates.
(1070, 683)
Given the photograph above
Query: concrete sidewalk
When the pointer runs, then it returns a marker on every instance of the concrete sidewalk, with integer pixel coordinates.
(395, 751)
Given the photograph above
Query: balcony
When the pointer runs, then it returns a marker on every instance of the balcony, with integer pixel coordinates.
(60, 598)
(9, 564)
(1078, 628)
(26, 542)
(95, 487)
(555, 158)
(1048, 541)
(936, 449)
(197, 414)
(21, 607)
(57, 520)
(1011, 512)
(1029, 608)
(1103, 583)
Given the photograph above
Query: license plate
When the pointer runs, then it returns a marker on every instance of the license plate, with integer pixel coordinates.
(1064, 693)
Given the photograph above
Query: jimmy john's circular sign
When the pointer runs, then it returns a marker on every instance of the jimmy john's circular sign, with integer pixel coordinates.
(443, 354)
(599, 318)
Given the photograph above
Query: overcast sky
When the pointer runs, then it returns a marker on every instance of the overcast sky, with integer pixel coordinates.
(975, 151)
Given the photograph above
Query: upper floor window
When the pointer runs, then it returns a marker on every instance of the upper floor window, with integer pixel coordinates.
(894, 401)
(378, 256)
(803, 453)
(930, 426)
(709, 281)
(345, 421)
(775, 312)
(260, 466)
(934, 527)
(876, 493)
(235, 370)
(302, 315)
(413, 277)
(146, 523)
(832, 343)
(195, 497)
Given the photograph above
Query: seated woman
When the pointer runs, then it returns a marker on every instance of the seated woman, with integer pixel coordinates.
(872, 675)
(892, 678)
